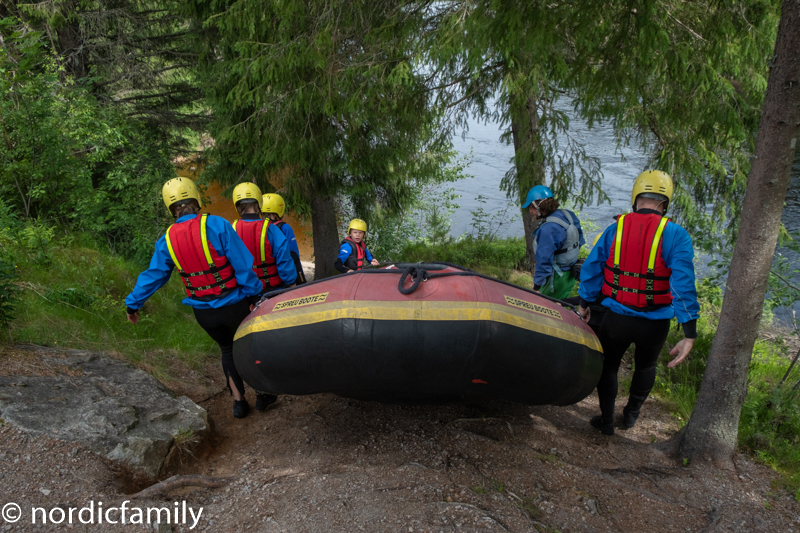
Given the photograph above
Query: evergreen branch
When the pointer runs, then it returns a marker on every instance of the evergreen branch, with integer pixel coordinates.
(148, 96)
(690, 30)
(784, 280)
(167, 36)
(494, 67)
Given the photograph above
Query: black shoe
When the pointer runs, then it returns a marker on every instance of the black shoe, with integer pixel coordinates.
(240, 408)
(606, 428)
(629, 418)
(265, 400)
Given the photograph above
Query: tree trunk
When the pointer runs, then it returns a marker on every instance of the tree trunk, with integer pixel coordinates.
(326, 236)
(71, 44)
(530, 166)
(712, 432)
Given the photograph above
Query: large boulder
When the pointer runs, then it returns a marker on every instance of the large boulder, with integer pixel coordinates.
(118, 411)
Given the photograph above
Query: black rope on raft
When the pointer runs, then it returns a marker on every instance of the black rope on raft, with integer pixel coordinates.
(417, 275)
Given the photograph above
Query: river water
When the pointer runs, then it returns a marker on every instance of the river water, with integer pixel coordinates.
(491, 158)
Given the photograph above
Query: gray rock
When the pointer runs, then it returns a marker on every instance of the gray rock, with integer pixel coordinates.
(116, 410)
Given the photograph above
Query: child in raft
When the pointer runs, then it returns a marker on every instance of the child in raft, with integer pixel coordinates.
(353, 253)
(273, 206)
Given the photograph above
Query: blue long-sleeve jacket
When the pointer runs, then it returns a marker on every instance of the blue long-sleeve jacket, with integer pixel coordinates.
(678, 254)
(346, 249)
(225, 241)
(280, 251)
(550, 238)
(288, 232)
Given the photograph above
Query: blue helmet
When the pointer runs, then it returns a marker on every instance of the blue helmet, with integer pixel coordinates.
(540, 192)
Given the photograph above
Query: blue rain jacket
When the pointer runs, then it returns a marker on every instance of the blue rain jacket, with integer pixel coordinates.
(550, 238)
(678, 254)
(346, 249)
(226, 242)
(280, 251)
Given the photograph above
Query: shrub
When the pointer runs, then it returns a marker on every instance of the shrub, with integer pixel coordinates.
(769, 426)
(471, 252)
(8, 293)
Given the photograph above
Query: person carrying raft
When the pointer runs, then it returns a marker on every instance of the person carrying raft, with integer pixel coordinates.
(353, 253)
(216, 269)
(556, 243)
(272, 262)
(641, 270)
(273, 206)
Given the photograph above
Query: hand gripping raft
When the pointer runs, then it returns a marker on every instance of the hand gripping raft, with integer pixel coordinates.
(419, 333)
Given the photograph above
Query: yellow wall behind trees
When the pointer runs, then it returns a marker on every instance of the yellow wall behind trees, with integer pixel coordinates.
(223, 207)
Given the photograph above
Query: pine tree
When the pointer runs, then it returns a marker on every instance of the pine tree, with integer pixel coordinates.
(132, 56)
(712, 431)
(325, 95)
(684, 81)
(508, 61)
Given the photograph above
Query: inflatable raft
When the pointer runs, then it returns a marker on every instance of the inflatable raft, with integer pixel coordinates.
(421, 333)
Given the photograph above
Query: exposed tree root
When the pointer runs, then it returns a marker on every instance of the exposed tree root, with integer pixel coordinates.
(176, 482)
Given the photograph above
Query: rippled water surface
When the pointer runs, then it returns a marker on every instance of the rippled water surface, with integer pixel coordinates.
(492, 158)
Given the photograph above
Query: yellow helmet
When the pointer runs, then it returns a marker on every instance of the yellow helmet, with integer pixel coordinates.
(247, 191)
(273, 203)
(652, 184)
(178, 189)
(358, 224)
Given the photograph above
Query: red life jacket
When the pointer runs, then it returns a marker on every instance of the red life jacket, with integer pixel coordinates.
(355, 261)
(254, 235)
(635, 273)
(206, 274)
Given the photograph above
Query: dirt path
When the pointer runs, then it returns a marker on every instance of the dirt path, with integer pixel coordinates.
(327, 464)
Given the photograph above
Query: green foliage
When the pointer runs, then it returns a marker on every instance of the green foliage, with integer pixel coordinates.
(508, 61)
(427, 220)
(66, 157)
(770, 423)
(8, 293)
(684, 81)
(322, 95)
(769, 426)
(35, 235)
(77, 301)
(485, 225)
(131, 55)
(471, 252)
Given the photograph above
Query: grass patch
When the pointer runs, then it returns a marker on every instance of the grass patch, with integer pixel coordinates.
(769, 427)
(493, 485)
(548, 457)
(504, 255)
(503, 259)
(76, 300)
(530, 507)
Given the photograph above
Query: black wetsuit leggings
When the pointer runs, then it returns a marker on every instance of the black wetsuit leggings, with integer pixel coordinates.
(221, 325)
(617, 333)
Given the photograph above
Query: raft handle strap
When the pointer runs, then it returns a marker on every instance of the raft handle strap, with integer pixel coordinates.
(417, 275)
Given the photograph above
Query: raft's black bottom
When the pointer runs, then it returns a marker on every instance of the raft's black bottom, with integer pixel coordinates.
(383, 361)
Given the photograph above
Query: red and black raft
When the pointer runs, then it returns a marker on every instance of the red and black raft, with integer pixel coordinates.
(420, 333)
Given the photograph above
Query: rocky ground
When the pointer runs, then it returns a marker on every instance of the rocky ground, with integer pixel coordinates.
(328, 464)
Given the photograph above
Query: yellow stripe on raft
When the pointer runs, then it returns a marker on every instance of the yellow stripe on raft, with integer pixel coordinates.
(417, 310)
